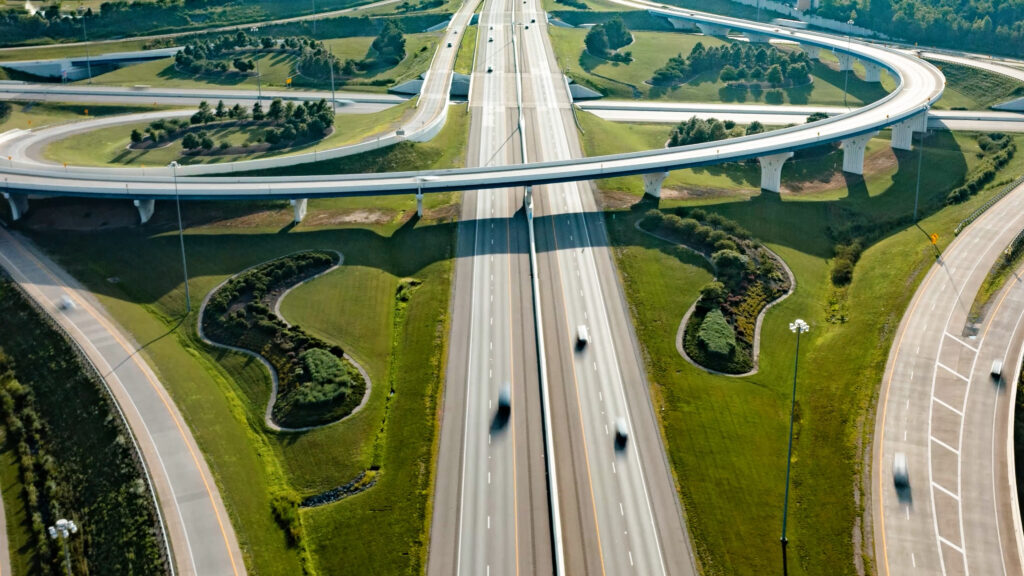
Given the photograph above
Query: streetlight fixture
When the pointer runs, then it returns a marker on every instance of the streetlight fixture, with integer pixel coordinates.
(798, 326)
(259, 78)
(63, 530)
(181, 236)
(334, 101)
(85, 35)
(314, 17)
(849, 48)
(920, 162)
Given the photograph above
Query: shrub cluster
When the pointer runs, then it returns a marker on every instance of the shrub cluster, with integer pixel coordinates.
(605, 38)
(997, 149)
(697, 131)
(845, 257)
(316, 384)
(716, 335)
(209, 56)
(5, 110)
(736, 62)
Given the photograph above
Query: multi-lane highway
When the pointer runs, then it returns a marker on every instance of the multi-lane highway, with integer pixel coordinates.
(491, 500)
(202, 539)
(941, 407)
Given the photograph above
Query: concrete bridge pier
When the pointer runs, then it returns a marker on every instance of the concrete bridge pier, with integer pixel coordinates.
(145, 208)
(653, 182)
(755, 38)
(419, 204)
(872, 71)
(712, 29)
(903, 133)
(18, 203)
(813, 52)
(678, 24)
(299, 205)
(853, 152)
(771, 170)
(845, 61)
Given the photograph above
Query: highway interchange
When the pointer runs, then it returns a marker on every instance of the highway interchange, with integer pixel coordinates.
(618, 509)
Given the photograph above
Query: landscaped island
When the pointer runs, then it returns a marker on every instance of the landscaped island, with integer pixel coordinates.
(317, 385)
(720, 331)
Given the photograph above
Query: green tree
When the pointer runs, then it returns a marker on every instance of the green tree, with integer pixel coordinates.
(136, 136)
(257, 111)
(222, 110)
(597, 41)
(190, 141)
(716, 335)
(616, 32)
(389, 43)
(713, 294)
(206, 143)
(731, 267)
(775, 75)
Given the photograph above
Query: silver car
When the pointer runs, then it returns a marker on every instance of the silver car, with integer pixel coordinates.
(900, 474)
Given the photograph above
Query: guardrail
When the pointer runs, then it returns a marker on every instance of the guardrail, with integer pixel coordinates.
(991, 201)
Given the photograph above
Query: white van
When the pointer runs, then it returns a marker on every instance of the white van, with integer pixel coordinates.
(582, 336)
(997, 368)
(900, 474)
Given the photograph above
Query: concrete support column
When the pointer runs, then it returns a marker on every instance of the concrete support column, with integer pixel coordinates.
(903, 135)
(712, 29)
(872, 71)
(853, 152)
(299, 205)
(845, 61)
(756, 38)
(145, 208)
(813, 52)
(653, 182)
(419, 204)
(771, 170)
(678, 24)
(19, 204)
(920, 122)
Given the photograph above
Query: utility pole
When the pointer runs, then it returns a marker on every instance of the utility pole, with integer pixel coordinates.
(920, 162)
(85, 35)
(334, 101)
(181, 237)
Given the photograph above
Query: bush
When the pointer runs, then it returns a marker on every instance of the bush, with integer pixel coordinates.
(713, 294)
(285, 507)
(716, 335)
(842, 271)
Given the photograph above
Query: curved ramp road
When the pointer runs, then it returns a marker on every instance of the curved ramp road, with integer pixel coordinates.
(920, 85)
(942, 408)
(197, 524)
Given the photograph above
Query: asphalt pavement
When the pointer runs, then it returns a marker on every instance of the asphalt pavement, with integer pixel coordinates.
(942, 408)
(202, 539)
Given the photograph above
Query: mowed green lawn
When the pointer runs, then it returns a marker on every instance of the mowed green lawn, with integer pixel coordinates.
(29, 115)
(974, 88)
(223, 395)
(726, 437)
(276, 68)
(107, 146)
(651, 50)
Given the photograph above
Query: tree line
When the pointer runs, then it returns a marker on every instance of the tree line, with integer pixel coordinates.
(737, 62)
(604, 39)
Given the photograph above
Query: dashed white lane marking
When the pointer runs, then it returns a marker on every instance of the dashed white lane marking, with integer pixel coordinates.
(613, 468)
(951, 371)
(942, 489)
(621, 511)
(600, 396)
(946, 446)
(913, 560)
(488, 477)
(630, 557)
(488, 521)
(904, 435)
(911, 374)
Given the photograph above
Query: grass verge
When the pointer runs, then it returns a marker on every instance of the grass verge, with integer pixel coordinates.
(30, 115)
(975, 89)
(467, 47)
(726, 437)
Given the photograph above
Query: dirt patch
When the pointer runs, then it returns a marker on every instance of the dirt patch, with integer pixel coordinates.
(367, 216)
(875, 163)
(704, 193)
(446, 213)
(617, 199)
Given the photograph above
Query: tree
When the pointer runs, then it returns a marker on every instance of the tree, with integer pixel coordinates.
(775, 75)
(597, 41)
(389, 43)
(713, 294)
(257, 111)
(716, 335)
(731, 267)
(616, 32)
(728, 74)
(136, 136)
(816, 116)
(190, 141)
(222, 110)
(276, 110)
(242, 65)
(755, 127)
(206, 143)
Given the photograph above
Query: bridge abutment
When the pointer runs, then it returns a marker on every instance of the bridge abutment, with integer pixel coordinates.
(771, 170)
(299, 205)
(145, 208)
(853, 152)
(18, 203)
(653, 182)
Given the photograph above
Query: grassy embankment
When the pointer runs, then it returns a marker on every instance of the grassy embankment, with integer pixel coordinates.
(29, 115)
(467, 47)
(726, 437)
(223, 395)
(109, 145)
(974, 88)
(652, 49)
(88, 472)
(276, 68)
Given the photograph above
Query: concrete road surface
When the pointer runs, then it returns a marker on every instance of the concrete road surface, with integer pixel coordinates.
(941, 407)
(620, 511)
(490, 507)
(202, 539)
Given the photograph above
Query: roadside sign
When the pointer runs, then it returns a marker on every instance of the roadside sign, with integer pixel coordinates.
(935, 238)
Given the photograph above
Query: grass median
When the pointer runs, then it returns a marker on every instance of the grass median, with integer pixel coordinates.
(726, 437)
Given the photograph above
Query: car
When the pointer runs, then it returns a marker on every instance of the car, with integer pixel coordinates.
(997, 368)
(900, 474)
(66, 303)
(505, 400)
(490, 38)
(491, 28)
(449, 44)
(527, 26)
(582, 336)
(490, 69)
(533, 20)
(621, 432)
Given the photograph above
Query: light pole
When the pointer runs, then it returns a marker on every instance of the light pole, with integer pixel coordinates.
(758, 10)
(181, 237)
(259, 78)
(85, 35)
(334, 102)
(63, 530)
(799, 327)
(314, 17)
(849, 47)
(920, 161)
